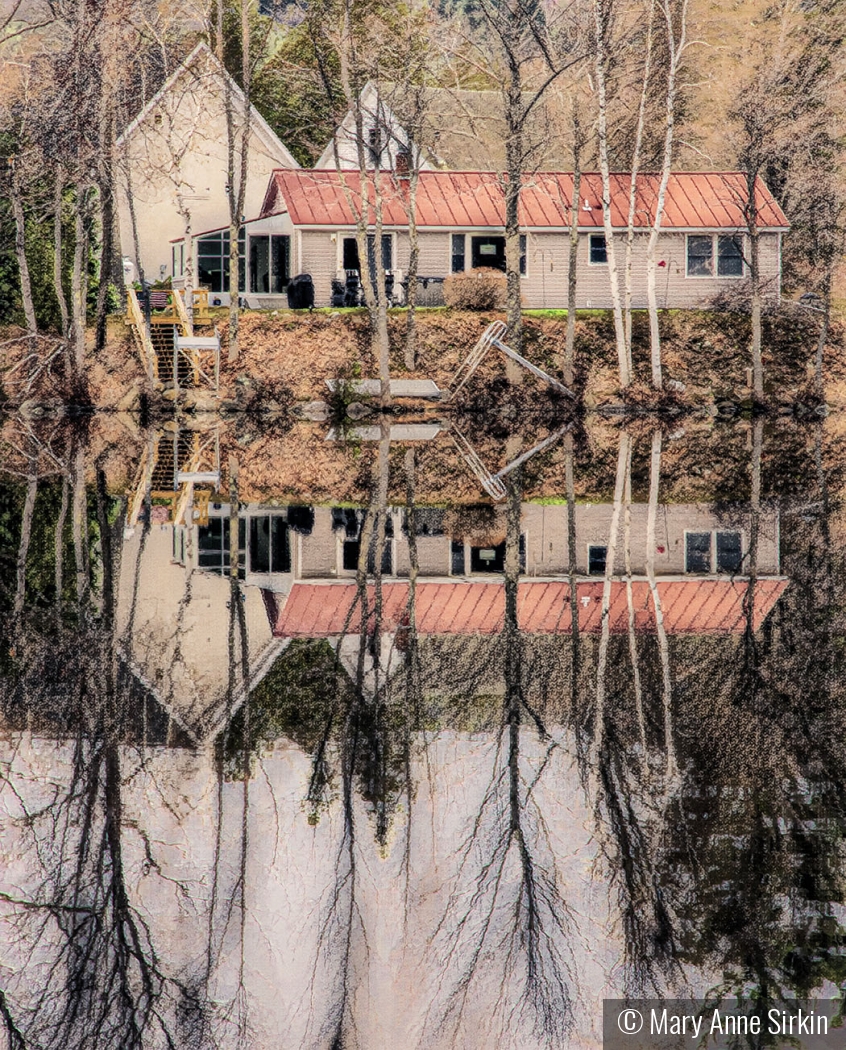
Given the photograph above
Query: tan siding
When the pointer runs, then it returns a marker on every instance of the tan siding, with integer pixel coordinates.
(675, 288)
(545, 283)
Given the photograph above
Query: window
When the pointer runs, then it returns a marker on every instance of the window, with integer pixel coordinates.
(458, 260)
(270, 267)
(598, 250)
(492, 559)
(270, 548)
(352, 550)
(729, 552)
(700, 256)
(700, 548)
(178, 260)
(487, 251)
(213, 261)
(213, 546)
(730, 256)
(387, 251)
(597, 556)
(697, 552)
(428, 521)
(522, 255)
(702, 251)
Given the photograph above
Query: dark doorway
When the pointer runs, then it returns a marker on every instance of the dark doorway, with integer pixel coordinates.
(351, 259)
(487, 251)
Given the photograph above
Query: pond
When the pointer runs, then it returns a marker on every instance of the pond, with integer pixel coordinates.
(406, 736)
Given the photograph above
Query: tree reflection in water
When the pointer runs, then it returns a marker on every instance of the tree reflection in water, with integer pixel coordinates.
(710, 768)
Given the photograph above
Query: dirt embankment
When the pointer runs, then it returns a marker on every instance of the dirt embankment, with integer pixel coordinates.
(287, 357)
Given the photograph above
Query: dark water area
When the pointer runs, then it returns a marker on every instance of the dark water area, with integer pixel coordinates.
(405, 737)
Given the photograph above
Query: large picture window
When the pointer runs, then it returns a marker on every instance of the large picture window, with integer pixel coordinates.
(270, 264)
(213, 261)
(270, 548)
(213, 550)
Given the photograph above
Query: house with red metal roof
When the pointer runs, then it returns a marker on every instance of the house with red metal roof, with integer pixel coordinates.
(307, 224)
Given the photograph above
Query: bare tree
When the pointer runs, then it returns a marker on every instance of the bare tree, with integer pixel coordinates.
(603, 18)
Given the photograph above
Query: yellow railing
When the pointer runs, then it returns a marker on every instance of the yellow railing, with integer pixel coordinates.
(135, 318)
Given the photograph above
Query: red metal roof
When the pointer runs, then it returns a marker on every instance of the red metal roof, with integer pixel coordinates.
(694, 606)
(694, 200)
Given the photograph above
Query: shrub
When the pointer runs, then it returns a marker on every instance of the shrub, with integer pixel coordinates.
(480, 289)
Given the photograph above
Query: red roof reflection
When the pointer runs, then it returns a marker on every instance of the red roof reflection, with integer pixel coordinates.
(690, 606)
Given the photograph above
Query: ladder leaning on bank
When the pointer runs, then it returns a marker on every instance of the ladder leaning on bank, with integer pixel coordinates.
(492, 336)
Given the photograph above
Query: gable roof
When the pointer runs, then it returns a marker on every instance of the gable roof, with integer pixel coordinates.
(203, 53)
(694, 200)
(690, 606)
(457, 129)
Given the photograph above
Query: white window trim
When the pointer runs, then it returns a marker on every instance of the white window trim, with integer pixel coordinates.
(596, 233)
(715, 258)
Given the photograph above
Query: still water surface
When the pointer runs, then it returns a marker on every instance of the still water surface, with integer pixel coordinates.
(393, 764)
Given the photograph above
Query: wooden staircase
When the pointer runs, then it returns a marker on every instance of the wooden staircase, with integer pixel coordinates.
(180, 468)
(169, 352)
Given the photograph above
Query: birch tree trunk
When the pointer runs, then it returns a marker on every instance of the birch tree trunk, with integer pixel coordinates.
(25, 538)
(819, 385)
(601, 17)
(661, 631)
(630, 224)
(572, 570)
(413, 262)
(675, 48)
(755, 282)
(79, 518)
(623, 469)
(59, 542)
(78, 279)
(572, 271)
(633, 654)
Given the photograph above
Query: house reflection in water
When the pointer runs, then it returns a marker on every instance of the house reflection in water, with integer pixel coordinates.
(298, 565)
